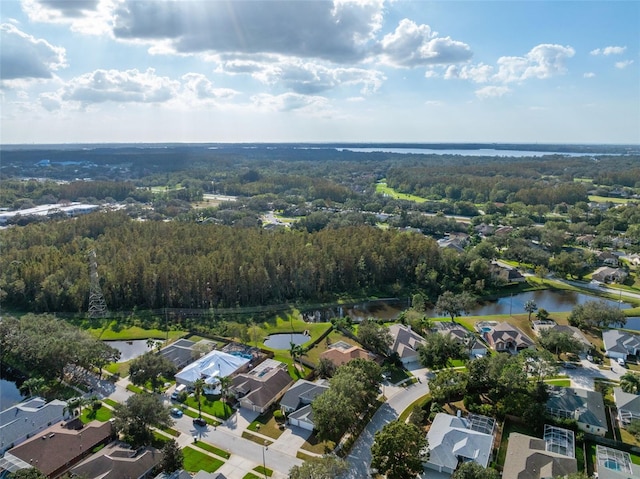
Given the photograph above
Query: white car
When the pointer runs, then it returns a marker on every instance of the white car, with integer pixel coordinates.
(621, 362)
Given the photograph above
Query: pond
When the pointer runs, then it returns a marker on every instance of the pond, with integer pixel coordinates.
(10, 393)
(551, 300)
(130, 349)
(284, 340)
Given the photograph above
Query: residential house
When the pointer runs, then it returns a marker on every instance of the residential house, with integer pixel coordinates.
(614, 464)
(210, 367)
(571, 331)
(116, 462)
(340, 353)
(627, 404)
(179, 474)
(179, 352)
(607, 258)
(534, 458)
(461, 335)
(296, 402)
(620, 344)
(405, 342)
(22, 421)
(455, 439)
(507, 274)
(57, 448)
(259, 388)
(633, 259)
(586, 407)
(586, 240)
(606, 274)
(454, 243)
(504, 337)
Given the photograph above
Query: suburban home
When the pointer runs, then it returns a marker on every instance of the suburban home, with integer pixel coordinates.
(451, 243)
(586, 407)
(606, 274)
(454, 440)
(116, 462)
(20, 422)
(627, 404)
(461, 335)
(210, 367)
(179, 474)
(507, 274)
(614, 464)
(533, 458)
(571, 331)
(620, 344)
(340, 353)
(504, 337)
(607, 258)
(259, 388)
(633, 259)
(405, 342)
(56, 449)
(296, 402)
(179, 352)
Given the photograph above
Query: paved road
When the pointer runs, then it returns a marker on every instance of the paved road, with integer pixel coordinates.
(398, 399)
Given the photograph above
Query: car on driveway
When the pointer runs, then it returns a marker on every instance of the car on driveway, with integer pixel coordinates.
(175, 412)
(568, 365)
(199, 422)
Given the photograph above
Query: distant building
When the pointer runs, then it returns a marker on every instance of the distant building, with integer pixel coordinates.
(210, 367)
(340, 353)
(606, 274)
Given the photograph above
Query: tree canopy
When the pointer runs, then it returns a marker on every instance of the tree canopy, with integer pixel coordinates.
(151, 367)
(596, 314)
(325, 467)
(374, 337)
(134, 418)
(454, 304)
(438, 349)
(399, 450)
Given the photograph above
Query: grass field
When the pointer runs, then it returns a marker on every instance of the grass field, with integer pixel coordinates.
(382, 188)
(88, 414)
(606, 199)
(195, 461)
(211, 405)
(133, 332)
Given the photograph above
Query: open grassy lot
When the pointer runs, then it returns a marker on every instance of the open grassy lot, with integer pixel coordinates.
(606, 199)
(313, 444)
(113, 333)
(382, 188)
(195, 461)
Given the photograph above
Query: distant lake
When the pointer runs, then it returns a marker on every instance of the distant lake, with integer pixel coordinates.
(130, 349)
(476, 152)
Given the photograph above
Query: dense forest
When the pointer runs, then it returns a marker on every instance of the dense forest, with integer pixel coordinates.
(159, 244)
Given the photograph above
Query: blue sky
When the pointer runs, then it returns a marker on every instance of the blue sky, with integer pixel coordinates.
(307, 70)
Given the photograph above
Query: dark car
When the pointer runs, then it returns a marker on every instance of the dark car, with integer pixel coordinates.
(199, 422)
(175, 412)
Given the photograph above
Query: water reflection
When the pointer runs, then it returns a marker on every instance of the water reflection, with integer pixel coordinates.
(130, 349)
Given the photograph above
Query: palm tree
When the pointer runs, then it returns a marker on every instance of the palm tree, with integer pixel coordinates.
(225, 382)
(296, 352)
(630, 383)
(74, 406)
(198, 389)
(33, 385)
(530, 306)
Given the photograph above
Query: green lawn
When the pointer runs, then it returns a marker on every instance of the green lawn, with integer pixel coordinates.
(559, 382)
(313, 444)
(267, 425)
(251, 475)
(213, 449)
(265, 471)
(88, 414)
(211, 405)
(195, 461)
(382, 188)
(134, 332)
(110, 402)
(606, 199)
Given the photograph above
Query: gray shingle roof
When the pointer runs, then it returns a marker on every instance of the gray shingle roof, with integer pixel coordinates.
(302, 392)
(586, 406)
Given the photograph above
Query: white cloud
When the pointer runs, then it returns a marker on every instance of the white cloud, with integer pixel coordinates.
(289, 102)
(129, 86)
(589, 75)
(492, 92)
(412, 45)
(480, 73)
(339, 32)
(543, 61)
(85, 16)
(613, 50)
(431, 73)
(200, 88)
(23, 56)
(623, 64)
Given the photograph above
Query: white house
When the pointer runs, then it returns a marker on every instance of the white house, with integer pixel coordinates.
(454, 439)
(620, 344)
(214, 365)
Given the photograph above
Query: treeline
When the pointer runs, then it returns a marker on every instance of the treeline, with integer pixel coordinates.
(148, 265)
(45, 347)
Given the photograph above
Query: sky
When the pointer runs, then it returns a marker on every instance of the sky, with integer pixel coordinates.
(122, 71)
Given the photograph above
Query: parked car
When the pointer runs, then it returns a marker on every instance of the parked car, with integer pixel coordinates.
(568, 365)
(199, 422)
(175, 412)
(621, 362)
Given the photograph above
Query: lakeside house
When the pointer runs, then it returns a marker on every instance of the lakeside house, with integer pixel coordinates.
(405, 342)
(504, 337)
